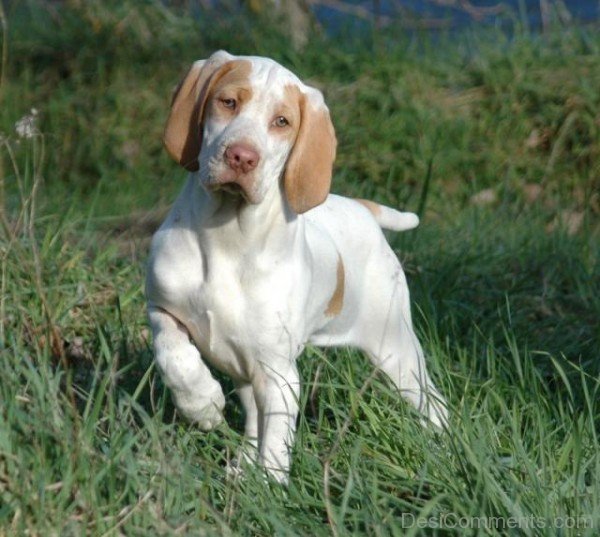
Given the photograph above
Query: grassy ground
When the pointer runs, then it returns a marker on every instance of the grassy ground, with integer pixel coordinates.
(495, 142)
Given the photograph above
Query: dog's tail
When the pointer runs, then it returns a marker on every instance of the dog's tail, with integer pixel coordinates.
(389, 218)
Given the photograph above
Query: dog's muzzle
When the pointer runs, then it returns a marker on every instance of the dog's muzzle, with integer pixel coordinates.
(237, 178)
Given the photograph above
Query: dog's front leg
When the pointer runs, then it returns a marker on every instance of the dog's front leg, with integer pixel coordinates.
(196, 394)
(246, 453)
(276, 391)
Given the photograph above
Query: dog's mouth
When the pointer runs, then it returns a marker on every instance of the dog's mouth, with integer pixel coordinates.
(233, 189)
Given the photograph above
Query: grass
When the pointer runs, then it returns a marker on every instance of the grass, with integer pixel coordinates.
(506, 292)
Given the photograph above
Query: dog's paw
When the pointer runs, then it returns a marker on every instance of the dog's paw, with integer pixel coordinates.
(234, 469)
(437, 415)
(202, 407)
(245, 458)
(277, 475)
(239, 468)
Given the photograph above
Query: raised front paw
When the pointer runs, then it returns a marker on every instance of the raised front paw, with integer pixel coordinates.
(204, 407)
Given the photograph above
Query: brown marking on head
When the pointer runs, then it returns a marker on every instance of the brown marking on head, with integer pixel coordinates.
(235, 85)
(289, 108)
(183, 131)
(373, 207)
(336, 301)
(307, 177)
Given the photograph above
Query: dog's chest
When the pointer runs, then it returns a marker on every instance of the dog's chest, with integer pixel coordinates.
(237, 315)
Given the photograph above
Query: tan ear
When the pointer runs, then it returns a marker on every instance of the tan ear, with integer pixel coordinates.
(183, 131)
(307, 177)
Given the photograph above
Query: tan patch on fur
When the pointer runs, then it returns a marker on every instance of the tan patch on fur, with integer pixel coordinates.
(307, 177)
(289, 108)
(235, 84)
(373, 207)
(183, 132)
(336, 302)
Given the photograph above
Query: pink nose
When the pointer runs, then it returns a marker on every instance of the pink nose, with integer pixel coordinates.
(241, 158)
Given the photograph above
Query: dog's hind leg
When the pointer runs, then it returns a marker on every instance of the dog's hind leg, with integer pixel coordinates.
(389, 340)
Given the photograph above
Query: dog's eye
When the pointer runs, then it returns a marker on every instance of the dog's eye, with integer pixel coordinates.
(229, 103)
(280, 121)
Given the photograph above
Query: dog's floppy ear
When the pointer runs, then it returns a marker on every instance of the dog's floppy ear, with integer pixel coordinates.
(183, 132)
(307, 177)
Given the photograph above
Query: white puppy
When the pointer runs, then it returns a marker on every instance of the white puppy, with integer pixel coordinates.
(256, 259)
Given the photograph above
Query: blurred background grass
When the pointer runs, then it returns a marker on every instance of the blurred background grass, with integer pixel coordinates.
(492, 134)
(491, 111)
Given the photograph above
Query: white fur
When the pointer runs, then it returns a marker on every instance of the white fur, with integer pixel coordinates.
(246, 285)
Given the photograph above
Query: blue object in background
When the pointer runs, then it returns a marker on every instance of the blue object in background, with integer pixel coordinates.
(423, 14)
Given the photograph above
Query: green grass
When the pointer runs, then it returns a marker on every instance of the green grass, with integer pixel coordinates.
(506, 297)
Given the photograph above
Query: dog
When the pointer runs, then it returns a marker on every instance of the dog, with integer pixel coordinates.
(256, 258)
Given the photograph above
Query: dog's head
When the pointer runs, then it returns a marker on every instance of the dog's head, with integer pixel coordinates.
(246, 123)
